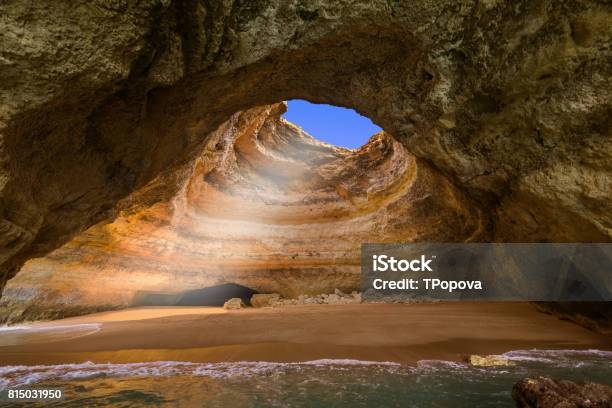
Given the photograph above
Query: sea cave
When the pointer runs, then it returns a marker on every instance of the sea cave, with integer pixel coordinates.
(151, 163)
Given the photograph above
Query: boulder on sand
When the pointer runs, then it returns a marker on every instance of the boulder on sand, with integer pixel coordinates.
(264, 299)
(233, 304)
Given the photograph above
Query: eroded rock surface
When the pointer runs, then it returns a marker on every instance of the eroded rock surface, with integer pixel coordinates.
(489, 361)
(233, 304)
(510, 100)
(264, 299)
(265, 206)
(544, 392)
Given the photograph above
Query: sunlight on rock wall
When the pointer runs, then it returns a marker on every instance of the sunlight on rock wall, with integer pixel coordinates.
(266, 206)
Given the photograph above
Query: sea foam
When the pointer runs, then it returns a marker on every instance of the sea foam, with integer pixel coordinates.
(555, 356)
(19, 376)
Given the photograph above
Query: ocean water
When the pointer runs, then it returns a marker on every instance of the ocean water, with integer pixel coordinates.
(321, 383)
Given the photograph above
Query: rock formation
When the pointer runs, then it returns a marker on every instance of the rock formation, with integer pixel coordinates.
(508, 100)
(233, 304)
(489, 361)
(264, 299)
(266, 206)
(543, 392)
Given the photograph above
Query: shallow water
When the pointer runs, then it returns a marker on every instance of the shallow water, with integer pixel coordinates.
(322, 383)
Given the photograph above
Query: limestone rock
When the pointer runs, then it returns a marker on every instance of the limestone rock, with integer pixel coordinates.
(322, 299)
(333, 299)
(340, 293)
(233, 304)
(264, 299)
(503, 104)
(260, 207)
(544, 392)
(489, 361)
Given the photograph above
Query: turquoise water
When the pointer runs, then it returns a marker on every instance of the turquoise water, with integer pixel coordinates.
(322, 383)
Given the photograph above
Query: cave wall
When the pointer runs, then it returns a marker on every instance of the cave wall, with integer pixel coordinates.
(264, 205)
(509, 100)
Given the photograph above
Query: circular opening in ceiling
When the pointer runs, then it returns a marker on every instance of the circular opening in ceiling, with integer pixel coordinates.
(334, 125)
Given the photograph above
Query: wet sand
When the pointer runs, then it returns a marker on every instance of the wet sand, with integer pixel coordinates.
(403, 333)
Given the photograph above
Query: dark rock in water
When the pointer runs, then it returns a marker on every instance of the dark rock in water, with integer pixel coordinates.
(544, 392)
(215, 295)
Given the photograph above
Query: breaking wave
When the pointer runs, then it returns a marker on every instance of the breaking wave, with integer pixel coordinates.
(19, 376)
(557, 356)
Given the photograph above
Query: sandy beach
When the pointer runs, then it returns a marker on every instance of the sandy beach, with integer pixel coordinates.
(404, 333)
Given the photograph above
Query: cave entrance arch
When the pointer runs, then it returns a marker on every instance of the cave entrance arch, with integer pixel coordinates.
(146, 83)
(155, 121)
(265, 206)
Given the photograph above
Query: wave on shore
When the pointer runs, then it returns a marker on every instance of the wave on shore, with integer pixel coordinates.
(556, 356)
(21, 376)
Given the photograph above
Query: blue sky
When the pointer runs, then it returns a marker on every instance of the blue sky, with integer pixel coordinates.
(331, 124)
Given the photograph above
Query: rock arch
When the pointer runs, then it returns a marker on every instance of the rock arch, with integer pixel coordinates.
(509, 100)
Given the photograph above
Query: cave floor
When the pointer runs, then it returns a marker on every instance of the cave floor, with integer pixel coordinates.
(404, 333)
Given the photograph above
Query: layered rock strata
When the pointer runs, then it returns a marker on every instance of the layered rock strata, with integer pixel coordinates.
(266, 206)
(510, 100)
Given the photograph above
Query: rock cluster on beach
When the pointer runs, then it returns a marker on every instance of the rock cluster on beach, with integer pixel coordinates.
(336, 298)
(544, 392)
(264, 299)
